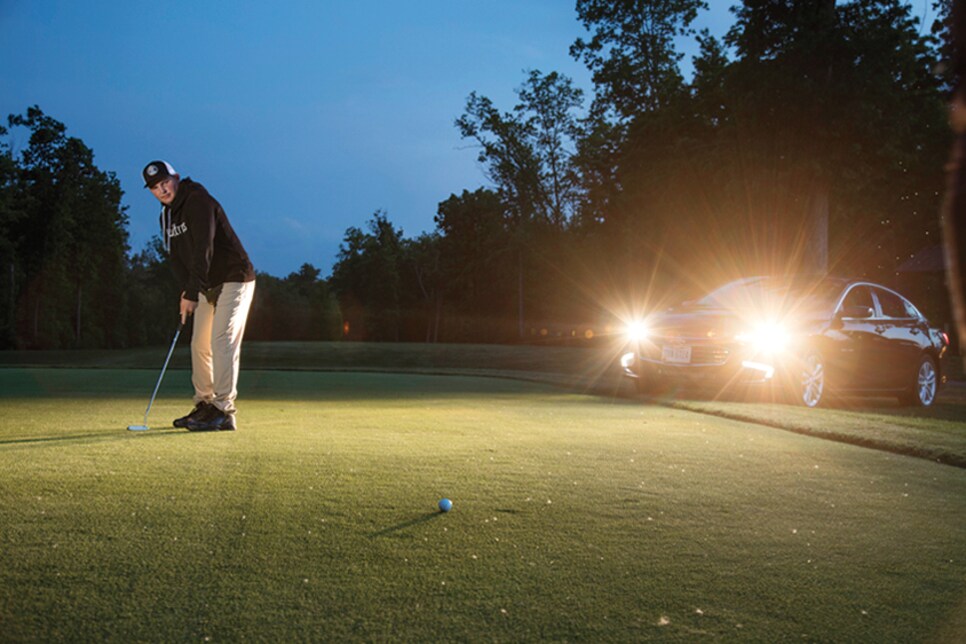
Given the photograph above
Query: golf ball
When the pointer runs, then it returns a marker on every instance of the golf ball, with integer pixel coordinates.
(445, 505)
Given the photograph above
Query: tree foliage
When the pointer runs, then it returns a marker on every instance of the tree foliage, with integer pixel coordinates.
(67, 277)
(64, 242)
(844, 95)
(810, 116)
(479, 260)
(812, 129)
(368, 277)
(632, 54)
(527, 152)
(811, 126)
(300, 306)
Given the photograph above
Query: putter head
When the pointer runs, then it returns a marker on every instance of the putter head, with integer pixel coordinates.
(138, 428)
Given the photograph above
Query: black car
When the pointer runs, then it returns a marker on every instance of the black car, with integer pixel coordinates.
(811, 338)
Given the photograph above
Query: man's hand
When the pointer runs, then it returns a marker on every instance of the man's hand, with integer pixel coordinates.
(187, 308)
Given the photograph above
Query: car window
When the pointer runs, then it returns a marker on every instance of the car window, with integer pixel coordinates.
(891, 304)
(911, 310)
(859, 296)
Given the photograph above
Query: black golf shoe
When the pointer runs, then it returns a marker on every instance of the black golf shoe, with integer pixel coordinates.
(212, 420)
(194, 413)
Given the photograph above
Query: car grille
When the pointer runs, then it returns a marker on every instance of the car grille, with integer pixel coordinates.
(709, 354)
(701, 354)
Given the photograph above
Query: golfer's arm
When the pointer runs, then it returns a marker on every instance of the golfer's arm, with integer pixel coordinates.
(201, 221)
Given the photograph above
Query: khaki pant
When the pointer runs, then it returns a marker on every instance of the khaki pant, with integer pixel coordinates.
(216, 345)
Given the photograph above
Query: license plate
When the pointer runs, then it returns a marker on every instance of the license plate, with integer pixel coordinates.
(677, 353)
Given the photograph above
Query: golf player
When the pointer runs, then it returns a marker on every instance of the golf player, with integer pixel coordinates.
(217, 281)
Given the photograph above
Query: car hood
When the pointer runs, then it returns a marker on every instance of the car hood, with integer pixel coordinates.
(696, 323)
(712, 323)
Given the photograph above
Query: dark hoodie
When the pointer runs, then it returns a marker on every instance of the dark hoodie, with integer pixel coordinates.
(204, 249)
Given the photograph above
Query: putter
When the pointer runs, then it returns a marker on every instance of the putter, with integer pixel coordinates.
(144, 427)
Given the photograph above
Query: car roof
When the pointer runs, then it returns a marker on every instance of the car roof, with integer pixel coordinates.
(812, 278)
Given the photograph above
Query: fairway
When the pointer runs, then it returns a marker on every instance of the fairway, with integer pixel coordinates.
(575, 518)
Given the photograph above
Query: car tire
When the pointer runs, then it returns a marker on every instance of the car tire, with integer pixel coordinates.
(810, 380)
(925, 384)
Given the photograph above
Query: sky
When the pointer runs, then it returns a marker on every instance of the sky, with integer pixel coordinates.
(303, 118)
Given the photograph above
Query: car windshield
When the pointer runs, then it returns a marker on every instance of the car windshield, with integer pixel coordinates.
(775, 294)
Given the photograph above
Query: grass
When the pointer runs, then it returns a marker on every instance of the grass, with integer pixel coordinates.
(576, 517)
(937, 434)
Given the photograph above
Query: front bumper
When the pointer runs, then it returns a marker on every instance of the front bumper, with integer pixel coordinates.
(718, 365)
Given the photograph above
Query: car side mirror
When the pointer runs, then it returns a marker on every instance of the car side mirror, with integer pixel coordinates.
(859, 312)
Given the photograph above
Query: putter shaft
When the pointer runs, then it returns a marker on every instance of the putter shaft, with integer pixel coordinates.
(164, 368)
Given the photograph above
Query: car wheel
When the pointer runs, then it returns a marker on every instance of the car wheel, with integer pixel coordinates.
(811, 383)
(924, 387)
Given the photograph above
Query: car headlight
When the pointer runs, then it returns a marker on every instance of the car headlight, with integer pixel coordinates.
(766, 338)
(636, 331)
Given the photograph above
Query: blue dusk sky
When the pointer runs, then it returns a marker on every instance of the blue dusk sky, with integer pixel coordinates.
(302, 118)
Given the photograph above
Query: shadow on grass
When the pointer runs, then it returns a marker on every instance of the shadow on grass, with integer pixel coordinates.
(87, 437)
(57, 439)
(950, 402)
(425, 518)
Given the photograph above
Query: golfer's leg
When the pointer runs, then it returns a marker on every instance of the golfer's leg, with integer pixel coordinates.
(228, 328)
(201, 358)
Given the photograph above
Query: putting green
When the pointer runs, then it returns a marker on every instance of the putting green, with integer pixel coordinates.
(574, 517)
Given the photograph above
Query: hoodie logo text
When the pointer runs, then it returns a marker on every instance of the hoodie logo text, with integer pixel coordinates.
(177, 229)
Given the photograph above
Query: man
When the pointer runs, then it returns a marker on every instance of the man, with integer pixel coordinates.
(217, 281)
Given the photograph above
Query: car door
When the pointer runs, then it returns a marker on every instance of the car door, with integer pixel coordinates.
(900, 339)
(852, 341)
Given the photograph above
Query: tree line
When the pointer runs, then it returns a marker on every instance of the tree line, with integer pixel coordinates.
(810, 137)
(69, 278)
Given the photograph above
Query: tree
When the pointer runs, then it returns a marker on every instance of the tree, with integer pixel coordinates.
(597, 163)
(299, 307)
(529, 155)
(639, 132)
(844, 98)
(828, 118)
(631, 54)
(422, 256)
(10, 217)
(479, 263)
(70, 241)
(366, 278)
(152, 291)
